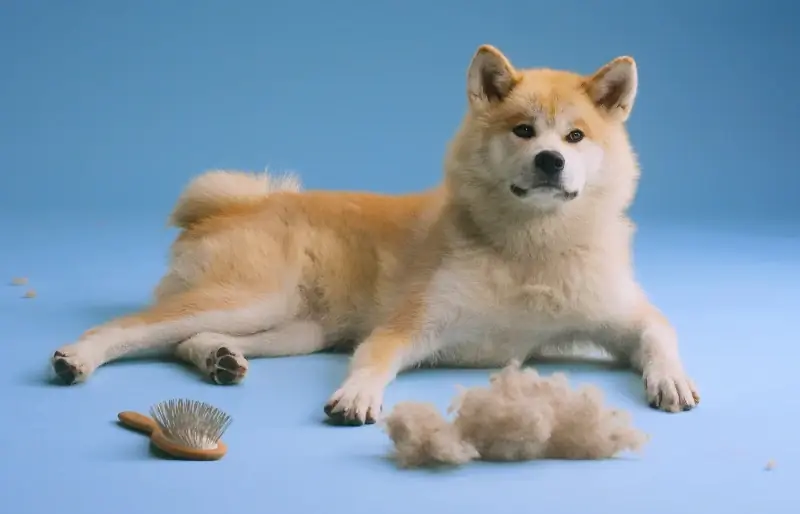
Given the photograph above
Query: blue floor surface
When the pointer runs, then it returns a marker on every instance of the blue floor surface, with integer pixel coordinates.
(734, 300)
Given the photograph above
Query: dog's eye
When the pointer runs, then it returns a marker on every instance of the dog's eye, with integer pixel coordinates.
(574, 136)
(524, 131)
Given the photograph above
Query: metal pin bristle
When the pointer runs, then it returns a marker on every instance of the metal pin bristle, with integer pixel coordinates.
(191, 423)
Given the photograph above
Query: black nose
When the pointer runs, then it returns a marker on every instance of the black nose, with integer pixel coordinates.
(549, 162)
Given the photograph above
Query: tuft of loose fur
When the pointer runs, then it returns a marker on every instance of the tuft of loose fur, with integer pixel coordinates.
(214, 191)
(519, 416)
(422, 437)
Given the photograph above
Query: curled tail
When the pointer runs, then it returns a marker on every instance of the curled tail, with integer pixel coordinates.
(213, 191)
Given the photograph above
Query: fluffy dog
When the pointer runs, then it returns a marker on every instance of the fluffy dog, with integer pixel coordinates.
(524, 246)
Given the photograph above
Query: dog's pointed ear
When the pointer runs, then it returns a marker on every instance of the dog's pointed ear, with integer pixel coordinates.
(490, 77)
(613, 87)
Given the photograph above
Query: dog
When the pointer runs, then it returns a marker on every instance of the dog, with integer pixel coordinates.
(525, 245)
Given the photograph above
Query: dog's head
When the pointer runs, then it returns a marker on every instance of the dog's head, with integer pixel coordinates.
(542, 138)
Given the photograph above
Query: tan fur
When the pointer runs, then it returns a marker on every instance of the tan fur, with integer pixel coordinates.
(258, 265)
(470, 273)
(519, 416)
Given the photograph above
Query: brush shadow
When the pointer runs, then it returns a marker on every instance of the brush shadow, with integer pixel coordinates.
(134, 450)
(128, 453)
(152, 449)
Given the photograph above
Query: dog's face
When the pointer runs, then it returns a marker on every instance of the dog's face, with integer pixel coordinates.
(542, 136)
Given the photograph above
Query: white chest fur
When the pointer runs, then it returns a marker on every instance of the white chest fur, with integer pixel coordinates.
(499, 309)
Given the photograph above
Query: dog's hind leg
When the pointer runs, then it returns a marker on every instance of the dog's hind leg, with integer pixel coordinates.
(172, 319)
(223, 357)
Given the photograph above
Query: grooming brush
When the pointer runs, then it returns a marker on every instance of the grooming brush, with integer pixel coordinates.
(185, 429)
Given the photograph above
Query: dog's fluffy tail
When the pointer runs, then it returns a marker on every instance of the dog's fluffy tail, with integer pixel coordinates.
(213, 191)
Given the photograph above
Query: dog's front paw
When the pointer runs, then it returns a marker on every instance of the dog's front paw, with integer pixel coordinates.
(670, 389)
(69, 367)
(359, 401)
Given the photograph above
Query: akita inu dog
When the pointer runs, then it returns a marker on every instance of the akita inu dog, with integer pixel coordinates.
(525, 245)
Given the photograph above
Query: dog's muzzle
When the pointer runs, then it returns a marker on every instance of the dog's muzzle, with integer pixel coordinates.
(556, 189)
(545, 177)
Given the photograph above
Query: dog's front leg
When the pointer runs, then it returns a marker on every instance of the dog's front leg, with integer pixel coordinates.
(650, 344)
(656, 356)
(404, 342)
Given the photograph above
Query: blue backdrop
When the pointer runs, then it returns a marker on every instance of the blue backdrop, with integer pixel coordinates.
(114, 105)
(108, 108)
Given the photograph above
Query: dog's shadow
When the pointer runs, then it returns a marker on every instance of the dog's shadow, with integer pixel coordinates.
(632, 388)
(97, 314)
(388, 461)
(624, 381)
(46, 377)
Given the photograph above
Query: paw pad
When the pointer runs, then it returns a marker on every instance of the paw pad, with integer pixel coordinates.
(67, 372)
(226, 366)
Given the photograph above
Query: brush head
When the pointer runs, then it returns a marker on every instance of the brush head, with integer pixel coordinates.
(190, 423)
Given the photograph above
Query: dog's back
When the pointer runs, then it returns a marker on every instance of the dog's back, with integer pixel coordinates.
(336, 250)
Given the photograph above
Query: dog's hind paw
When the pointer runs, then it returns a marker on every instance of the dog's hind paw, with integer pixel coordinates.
(226, 366)
(68, 368)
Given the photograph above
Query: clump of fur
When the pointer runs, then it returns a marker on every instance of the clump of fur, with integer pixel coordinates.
(519, 416)
(422, 437)
(212, 191)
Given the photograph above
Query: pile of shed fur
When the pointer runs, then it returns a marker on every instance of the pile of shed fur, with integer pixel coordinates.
(519, 416)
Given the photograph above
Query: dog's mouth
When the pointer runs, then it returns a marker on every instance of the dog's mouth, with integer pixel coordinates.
(558, 191)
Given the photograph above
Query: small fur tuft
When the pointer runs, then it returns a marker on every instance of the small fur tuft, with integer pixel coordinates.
(519, 416)
(424, 437)
(211, 192)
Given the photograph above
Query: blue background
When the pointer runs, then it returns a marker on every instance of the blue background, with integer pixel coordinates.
(107, 108)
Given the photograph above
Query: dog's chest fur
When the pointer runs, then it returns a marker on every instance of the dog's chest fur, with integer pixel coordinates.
(502, 307)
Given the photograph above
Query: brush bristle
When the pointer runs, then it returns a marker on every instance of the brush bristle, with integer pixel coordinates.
(191, 423)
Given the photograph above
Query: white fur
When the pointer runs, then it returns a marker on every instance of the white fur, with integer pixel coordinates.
(583, 160)
(203, 349)
(112, 341)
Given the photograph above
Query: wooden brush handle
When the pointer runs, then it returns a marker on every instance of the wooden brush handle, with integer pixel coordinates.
(147, 425)
(138, 422)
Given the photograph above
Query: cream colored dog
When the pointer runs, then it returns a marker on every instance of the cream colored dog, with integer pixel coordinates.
(524, 246)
